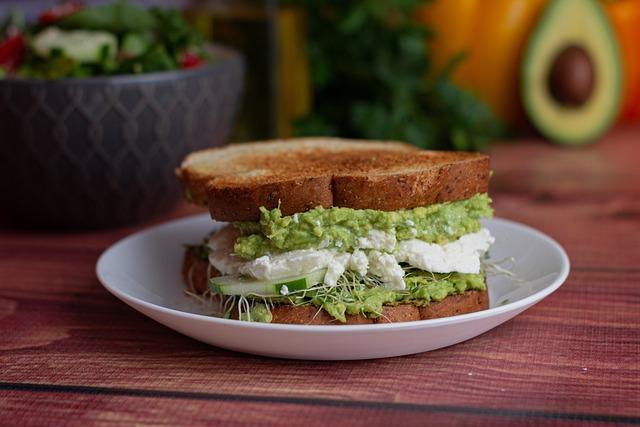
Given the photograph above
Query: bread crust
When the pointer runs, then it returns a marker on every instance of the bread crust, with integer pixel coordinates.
(311, 315)
(300, 174)
(454, 305)
(456, 181)
(296, 195)
(196, 272)
(398, 313)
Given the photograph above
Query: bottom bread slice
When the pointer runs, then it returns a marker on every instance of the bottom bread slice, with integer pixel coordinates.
(197, 271)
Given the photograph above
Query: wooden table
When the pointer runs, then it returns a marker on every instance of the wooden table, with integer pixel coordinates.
(71, 354)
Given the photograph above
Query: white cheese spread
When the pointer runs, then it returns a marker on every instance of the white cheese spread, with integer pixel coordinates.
(379, 255)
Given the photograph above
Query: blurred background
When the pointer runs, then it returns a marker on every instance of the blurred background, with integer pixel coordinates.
(357, 68)
(454, 74)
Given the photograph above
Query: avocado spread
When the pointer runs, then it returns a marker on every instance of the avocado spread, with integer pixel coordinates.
(422, 288)
(340, 228)
(258, 313)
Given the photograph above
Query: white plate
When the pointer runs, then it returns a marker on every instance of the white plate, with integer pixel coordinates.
(143, 270)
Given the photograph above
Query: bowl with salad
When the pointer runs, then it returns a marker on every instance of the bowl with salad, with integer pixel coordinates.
(98, 104)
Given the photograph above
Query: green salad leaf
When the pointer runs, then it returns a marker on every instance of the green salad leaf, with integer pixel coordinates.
(118, 18)
(136, 44)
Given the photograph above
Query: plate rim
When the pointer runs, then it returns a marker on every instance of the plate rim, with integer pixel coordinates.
(490, 312)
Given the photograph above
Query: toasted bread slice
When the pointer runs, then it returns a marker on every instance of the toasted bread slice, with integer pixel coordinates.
(453, 305)
(300, 174)
(196, 272)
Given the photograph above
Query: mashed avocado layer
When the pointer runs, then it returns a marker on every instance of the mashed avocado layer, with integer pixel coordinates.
(422, 288)
(341, 228)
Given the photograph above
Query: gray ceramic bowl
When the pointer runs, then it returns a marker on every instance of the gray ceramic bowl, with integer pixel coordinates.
(101, 151)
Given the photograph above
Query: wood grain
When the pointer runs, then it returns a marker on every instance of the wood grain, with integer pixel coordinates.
(71, 354)
(113, 407)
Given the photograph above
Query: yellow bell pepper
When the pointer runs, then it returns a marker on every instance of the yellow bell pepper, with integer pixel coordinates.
(625, 19)
(492, 34)
(294, 99)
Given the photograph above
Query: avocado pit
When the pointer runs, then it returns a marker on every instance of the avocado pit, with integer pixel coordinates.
(571, 77)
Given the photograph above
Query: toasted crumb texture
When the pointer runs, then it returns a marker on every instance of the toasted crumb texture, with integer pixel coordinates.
(399, 313)
(453, 305)
(194, 271)
(299, 174)
(311, 315)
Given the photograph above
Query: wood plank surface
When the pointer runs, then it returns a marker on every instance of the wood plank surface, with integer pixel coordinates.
(71, 354)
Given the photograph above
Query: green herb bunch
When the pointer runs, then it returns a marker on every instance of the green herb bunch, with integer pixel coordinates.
(371, 79)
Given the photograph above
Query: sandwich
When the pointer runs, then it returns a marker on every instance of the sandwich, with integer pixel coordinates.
(333, 231)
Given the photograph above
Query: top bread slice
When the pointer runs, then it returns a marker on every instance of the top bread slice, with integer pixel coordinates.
(300, 174)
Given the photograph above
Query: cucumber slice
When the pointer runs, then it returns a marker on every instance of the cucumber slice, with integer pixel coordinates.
(233, 285)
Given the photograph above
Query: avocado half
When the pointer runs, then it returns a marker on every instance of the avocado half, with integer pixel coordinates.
(571, 74)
